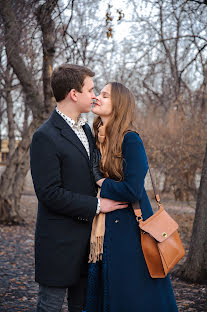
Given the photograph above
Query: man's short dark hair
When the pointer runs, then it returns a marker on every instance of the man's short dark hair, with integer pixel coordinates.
(67, 77)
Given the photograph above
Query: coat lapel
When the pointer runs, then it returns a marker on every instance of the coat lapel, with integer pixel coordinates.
(68, 133)
(91, 140)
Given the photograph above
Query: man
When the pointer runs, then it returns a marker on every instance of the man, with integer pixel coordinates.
(62, 172)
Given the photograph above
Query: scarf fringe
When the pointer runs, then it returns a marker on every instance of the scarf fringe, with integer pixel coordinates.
(96, 249)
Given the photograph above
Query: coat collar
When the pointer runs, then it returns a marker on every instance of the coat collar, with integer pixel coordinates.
(81, 120)
(70, 135)
(91, 140)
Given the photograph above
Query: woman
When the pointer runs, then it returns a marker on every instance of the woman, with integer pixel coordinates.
(119, 280)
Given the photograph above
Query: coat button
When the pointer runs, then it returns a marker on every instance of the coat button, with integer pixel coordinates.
(116, 221)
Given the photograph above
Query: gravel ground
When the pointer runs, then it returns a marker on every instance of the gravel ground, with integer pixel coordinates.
(18, 291)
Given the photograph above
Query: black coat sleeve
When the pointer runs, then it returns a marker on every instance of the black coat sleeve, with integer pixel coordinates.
(45, 170)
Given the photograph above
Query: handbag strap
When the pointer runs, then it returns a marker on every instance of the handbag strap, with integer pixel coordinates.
(136, 206)
(157, 197)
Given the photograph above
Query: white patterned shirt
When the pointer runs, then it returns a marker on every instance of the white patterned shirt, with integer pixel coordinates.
(77, 128)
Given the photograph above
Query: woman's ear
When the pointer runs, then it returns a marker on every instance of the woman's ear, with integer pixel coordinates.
(73, 95)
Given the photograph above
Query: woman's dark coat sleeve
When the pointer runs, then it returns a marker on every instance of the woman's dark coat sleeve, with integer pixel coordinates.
(135, 169)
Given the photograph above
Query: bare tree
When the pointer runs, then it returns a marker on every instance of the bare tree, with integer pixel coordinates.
(175, 79)
(10, 114)
(173, 50)
(12, 180)
(195, 267)
(74, 37)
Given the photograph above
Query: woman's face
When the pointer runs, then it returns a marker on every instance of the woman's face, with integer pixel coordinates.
(103, 105)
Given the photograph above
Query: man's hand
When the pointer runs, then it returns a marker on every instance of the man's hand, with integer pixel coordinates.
(108, 205)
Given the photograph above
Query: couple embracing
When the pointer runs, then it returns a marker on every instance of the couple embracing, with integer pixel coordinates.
(87, 241)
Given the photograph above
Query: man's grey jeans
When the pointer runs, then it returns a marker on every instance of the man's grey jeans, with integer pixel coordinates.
(50, 299)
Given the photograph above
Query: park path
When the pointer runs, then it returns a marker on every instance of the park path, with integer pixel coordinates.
(18, 291)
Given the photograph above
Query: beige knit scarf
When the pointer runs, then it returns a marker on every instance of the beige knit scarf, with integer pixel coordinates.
(98, 225)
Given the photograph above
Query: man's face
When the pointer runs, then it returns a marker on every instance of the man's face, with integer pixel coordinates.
(85, 98)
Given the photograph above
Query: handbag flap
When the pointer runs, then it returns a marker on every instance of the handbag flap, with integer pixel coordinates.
(160, 225)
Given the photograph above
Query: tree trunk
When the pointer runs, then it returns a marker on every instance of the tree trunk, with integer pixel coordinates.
(10, 114)
(1, 113)
(195, 267)
(46, 23)
(26, 116)
(0, 135)
(12, 180)
(15, 59)
(204, 90)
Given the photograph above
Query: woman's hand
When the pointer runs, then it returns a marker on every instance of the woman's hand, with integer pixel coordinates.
(99, 182)
(98, 176)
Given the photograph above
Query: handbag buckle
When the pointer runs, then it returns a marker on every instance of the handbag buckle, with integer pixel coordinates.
(157, 198)
(138, 218)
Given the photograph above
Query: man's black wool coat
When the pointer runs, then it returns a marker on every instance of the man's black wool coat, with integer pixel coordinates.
(66, 192)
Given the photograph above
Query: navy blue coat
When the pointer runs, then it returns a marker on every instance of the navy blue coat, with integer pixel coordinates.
(124, 282)
(66, 192)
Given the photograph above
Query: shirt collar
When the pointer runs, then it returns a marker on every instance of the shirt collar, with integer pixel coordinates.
(81, 120)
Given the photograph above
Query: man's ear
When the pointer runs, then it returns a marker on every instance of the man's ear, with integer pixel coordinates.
(72, 95)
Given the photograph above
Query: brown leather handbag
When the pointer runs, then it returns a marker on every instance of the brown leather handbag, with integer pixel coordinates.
(161, 244)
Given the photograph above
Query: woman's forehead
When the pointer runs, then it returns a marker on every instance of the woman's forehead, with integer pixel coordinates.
(106, 89)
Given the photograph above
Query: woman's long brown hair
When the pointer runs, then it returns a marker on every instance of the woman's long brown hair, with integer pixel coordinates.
(122, 119)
